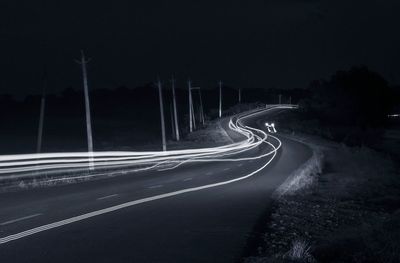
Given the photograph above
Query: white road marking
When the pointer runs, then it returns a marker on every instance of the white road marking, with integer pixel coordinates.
(74, 219)
(240, 165)
(19, 219)
(226, 169)
(107, 196)
(187, 179)
(156, 186)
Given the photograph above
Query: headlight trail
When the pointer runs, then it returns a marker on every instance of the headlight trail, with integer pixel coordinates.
(31, 165)
(254, 136)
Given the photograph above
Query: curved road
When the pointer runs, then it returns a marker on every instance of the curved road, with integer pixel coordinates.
(209, 225)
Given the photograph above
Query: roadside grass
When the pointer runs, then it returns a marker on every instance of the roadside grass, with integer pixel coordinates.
(350, 212)
(304, 176)
(299, 252)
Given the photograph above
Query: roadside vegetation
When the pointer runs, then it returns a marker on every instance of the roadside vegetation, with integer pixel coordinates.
(352, 107)
(349, 213)
(349, 210)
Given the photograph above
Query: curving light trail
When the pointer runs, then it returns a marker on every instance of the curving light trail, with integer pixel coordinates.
(254, 138)
(33, 165)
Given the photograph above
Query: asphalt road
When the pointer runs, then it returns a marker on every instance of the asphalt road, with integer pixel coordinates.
(209, 225)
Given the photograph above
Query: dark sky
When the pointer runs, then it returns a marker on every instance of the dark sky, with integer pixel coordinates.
(276, 43)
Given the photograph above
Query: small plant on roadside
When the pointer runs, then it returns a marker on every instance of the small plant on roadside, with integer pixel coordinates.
(300, 252)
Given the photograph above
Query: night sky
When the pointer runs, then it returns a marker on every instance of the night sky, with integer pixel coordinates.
(279, 43)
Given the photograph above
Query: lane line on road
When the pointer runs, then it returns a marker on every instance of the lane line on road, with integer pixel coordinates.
(226, 169)
(107, 196)
(74, 219)
(19, 219)
(187, 179)
(155, 186)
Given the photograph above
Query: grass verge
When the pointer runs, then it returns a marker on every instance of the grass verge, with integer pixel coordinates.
(349, 211)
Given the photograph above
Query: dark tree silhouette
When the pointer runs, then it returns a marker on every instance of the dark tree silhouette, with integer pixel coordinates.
(358, 97)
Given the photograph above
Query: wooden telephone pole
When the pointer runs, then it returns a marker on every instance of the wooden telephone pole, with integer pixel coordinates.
(220, 99)
(191, 111)
(164, 141)
(83, 62)
(41, 116)
(176, 123)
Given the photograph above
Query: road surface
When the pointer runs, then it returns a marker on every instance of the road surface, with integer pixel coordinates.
(208, 225)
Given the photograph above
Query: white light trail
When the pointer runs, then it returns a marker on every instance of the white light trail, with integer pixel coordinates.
(208, 154)
(32, 165)
(107, 197)
(19, 219)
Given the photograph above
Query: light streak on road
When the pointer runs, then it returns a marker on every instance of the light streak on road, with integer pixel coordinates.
(32, 165)
(155, 186)
(19, 219)
(107, 197)
(254, 137)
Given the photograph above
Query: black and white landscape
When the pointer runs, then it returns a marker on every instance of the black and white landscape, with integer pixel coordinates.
(200, 131)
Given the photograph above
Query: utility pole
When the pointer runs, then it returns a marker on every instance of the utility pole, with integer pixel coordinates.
(41, 116)
(164, 142)
(193, 114)
(280, 98)
(190, 106)
(220, 99)
(290, 100)
(83, 62)
(240, 95)
(201, 107)
(172, 122)
(175, 110)
(200, 116)
(192, 118)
